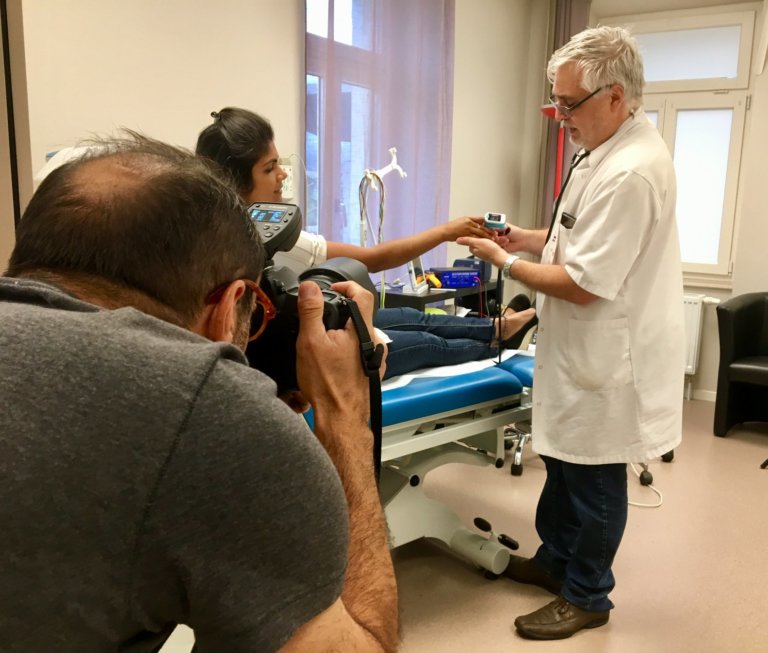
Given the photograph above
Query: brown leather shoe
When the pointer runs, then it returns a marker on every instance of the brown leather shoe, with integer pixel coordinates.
(528, 571)
(558, 620)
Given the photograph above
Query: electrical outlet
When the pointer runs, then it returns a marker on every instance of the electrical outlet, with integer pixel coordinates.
(288, 182)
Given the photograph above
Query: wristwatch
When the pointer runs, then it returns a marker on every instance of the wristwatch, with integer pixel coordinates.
(505, 272)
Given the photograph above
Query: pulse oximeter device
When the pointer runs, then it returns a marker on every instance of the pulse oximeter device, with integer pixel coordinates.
(495, 221)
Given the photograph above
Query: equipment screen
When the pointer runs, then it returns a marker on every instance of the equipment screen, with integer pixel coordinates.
(262, 215)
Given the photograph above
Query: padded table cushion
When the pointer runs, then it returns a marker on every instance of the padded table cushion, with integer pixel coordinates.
(522, 367)
(431, 395)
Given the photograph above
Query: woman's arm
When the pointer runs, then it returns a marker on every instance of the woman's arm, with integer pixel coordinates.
(392, 253)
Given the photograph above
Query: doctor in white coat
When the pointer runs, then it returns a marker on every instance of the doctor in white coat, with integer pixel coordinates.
(610, 349)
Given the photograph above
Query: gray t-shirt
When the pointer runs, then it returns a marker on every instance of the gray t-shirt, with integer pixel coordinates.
(150, 478)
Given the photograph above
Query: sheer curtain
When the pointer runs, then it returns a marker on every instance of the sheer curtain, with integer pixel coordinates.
(379, 75)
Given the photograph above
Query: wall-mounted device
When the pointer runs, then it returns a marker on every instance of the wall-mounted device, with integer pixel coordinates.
(289, 183)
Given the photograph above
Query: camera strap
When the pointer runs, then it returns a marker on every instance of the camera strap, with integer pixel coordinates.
(371, 356)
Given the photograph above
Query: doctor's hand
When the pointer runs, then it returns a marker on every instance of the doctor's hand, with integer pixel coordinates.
(514, 239)
(485, 249)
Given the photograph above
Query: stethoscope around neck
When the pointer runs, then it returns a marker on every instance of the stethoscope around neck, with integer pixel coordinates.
(575, 161)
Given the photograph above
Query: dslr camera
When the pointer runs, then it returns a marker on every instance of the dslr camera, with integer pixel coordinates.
(274, 351)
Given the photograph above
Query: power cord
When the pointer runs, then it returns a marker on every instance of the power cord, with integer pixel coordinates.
(643, 476)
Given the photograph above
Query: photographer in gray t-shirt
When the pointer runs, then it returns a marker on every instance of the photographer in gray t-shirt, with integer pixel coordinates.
(150, 477)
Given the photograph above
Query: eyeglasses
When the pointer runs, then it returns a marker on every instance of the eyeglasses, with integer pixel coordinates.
(264, 312)
(568, 110)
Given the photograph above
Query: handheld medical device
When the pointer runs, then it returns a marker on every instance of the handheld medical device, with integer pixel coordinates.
(495, 221)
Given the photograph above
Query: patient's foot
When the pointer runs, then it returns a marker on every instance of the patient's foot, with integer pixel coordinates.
(511, 323)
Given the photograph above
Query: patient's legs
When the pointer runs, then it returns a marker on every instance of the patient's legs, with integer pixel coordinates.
(450, 326)
(413, 350)
(446, 326)
(431, 340)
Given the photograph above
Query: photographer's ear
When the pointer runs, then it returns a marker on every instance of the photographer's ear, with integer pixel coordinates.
(218, 321)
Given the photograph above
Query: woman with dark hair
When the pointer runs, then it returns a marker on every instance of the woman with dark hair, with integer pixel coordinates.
(243, 143)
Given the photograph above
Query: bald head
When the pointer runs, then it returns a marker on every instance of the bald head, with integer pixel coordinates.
(143, 215)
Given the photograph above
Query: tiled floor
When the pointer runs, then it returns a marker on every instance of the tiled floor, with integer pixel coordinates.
(691, 575)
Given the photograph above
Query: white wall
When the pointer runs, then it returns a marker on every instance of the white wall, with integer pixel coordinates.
(15, 47)
(160, 67)
(6, 188)
(501, 47)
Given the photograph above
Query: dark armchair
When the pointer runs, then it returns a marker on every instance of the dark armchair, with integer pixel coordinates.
(742, 380)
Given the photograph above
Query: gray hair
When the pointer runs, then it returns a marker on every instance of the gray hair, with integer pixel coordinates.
(604, 55)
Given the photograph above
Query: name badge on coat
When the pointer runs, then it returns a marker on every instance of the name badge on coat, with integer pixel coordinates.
(567, 220)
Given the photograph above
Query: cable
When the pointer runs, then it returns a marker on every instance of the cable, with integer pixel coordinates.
(369, 180)
(648, 485)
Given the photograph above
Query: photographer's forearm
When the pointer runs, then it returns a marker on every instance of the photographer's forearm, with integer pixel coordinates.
(331, 376)
(370, 590)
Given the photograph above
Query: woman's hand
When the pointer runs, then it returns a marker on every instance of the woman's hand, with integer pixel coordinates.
(466, 226)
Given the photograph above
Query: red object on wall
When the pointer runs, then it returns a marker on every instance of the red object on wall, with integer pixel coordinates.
(549, 111)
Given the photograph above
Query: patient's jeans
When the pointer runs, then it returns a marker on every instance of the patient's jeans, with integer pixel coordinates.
(429, 340)
(580, 519)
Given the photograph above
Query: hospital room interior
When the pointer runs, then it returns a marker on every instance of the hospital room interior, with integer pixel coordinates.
(692, 567)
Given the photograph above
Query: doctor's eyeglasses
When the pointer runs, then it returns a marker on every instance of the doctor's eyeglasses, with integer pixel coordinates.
(263, 313)
(567, 110)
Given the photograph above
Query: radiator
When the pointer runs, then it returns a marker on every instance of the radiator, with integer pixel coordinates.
(693, 306)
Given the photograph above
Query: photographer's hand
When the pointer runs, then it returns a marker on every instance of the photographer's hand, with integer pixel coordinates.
(329, 371)
(364, 301)
(330, 375)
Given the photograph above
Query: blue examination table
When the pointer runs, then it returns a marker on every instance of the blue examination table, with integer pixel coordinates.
(454, 414)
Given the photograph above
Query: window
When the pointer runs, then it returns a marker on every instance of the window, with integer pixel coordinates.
(379, 75)
(704, 132)
(697, 76)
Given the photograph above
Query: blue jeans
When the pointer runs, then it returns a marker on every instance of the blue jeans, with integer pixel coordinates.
(580, 519)
(429, 340)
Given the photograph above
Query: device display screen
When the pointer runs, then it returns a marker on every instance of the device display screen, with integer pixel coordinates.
(264, 215)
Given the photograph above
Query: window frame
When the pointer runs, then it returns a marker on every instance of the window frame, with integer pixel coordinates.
(681, 21)
(669, 97)
(668, 106)
(331, 82)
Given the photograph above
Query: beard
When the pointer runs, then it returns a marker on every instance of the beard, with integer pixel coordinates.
(577, 140)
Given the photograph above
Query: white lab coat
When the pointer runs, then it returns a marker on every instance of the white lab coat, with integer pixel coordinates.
(609, 375)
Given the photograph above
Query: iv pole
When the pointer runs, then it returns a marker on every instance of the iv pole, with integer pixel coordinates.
(373, 179)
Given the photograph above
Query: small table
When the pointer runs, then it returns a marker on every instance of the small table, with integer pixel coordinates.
(396, 298)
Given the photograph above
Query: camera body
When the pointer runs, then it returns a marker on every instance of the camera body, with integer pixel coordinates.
(274, 352)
